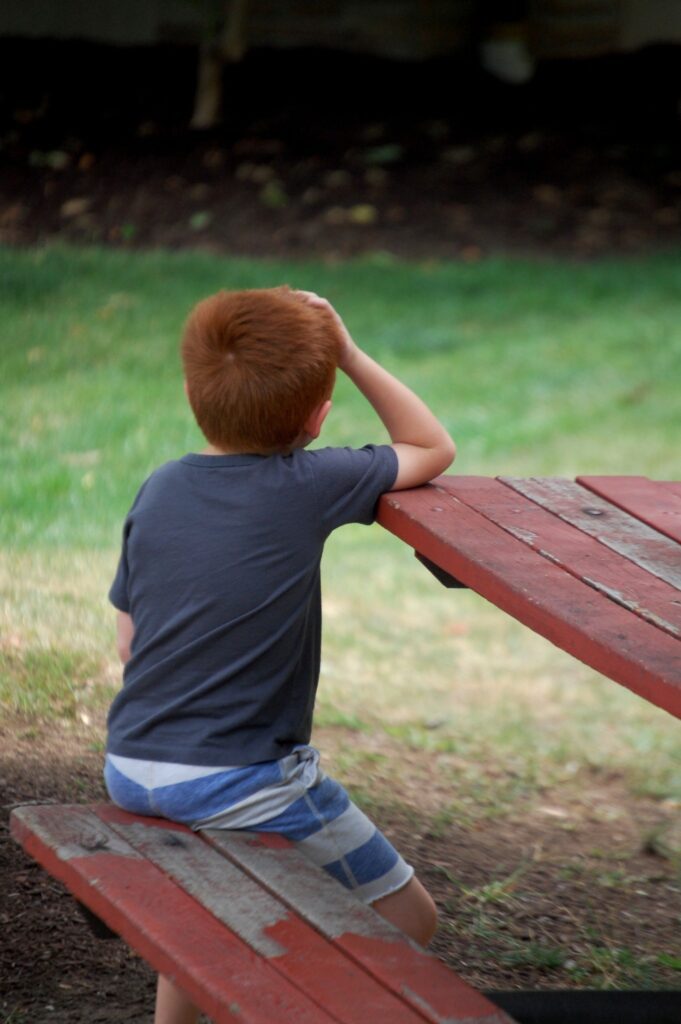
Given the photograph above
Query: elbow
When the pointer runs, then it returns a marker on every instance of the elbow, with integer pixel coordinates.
(448, 453)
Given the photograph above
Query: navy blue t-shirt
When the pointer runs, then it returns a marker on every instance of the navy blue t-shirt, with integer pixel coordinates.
(220, 574)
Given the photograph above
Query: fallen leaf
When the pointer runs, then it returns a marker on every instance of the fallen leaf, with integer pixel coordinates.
(57, 159)
(388, 154)
(200, 220)
(75, 207)
(337, 179)
(273, 194)
(363, 213)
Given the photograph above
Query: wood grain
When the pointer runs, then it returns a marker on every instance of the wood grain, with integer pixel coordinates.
(576, 552)
(399, 964)
(654, 503)
(544, 597)
(178, 937)
(609, 525)
(293, 948)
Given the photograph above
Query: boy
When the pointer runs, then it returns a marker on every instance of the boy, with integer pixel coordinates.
(218, 600)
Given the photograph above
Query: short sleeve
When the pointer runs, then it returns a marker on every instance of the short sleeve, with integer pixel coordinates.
(349, 482)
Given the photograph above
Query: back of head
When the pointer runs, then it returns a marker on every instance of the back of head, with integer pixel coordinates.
(257, 363)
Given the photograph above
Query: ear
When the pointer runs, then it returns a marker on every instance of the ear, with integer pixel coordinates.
(313, 424)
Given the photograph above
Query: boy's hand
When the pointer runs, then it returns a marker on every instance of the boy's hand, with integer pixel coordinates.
(349, 347)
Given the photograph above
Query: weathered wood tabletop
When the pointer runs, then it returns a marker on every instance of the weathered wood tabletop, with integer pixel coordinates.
(593, 565)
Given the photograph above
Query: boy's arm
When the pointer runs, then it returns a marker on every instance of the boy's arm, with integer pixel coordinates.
(125, 631)
(423, 447)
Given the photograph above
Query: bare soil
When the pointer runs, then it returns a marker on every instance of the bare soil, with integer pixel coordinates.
(569, 891)
(330, 155)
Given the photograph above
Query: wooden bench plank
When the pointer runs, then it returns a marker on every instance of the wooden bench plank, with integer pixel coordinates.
(608, 524)
(578, 553)
(648, 500)
(292, 948)
(409, 971)
(226, 979)
(543, 596)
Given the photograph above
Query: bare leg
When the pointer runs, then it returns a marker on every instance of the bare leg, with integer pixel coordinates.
(412, 910)
(172, 1005)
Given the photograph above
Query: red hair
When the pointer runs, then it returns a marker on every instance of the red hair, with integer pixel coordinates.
(257, 365)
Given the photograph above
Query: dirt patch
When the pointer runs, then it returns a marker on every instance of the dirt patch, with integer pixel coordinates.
(329, 155)
(567, 892)
(52, 969)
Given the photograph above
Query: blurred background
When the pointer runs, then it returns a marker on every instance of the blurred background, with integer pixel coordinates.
(446, 129)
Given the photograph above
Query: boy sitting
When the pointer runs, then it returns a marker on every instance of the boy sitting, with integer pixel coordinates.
(218, 594)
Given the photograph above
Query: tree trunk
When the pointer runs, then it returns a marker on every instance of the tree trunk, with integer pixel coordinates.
(225, 44)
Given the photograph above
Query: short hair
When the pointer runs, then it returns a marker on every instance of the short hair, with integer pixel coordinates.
(257, 364)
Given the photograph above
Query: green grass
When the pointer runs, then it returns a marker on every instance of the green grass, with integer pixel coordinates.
(546, 368)
(534, 367)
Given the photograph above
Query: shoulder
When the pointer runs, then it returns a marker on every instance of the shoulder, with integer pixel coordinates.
(157, 480)
(349, 481)
(351, 464)
(167, 471)
(341, 458)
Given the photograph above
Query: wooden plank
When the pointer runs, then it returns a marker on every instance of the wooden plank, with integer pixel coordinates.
(293, 948)
(181, 940)
(543, 596)
(578, 553)
(409, 971)
(608, 524)
(652, 502)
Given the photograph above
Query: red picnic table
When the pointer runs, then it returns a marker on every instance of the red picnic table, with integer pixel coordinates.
(593, 565)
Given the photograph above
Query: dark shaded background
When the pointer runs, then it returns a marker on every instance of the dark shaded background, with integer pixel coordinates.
(333, 154)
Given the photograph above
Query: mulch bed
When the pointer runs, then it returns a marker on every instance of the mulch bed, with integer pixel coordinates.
(330, 155)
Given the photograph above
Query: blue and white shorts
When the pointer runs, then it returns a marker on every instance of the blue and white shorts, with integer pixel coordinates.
(291, 796)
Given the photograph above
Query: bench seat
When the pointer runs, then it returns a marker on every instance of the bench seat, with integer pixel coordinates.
(244, 923)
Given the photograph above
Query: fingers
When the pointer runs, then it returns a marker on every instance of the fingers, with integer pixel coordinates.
(313, 299)
(316, 301)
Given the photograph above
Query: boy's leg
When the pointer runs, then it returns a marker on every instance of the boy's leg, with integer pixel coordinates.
(411, 909)
(346, 833)
(172, 1005)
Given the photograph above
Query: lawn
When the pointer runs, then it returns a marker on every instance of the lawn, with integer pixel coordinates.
(535, 368)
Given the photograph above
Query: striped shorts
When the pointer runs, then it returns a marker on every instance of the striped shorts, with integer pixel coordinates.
(291, 797)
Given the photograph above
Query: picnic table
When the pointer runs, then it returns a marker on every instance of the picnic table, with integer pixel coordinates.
(592, 564)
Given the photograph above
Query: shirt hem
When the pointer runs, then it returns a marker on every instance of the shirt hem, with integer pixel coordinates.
(198, 756)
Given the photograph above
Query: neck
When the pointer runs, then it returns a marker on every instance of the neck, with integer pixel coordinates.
(301, 441)
(212, 450)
